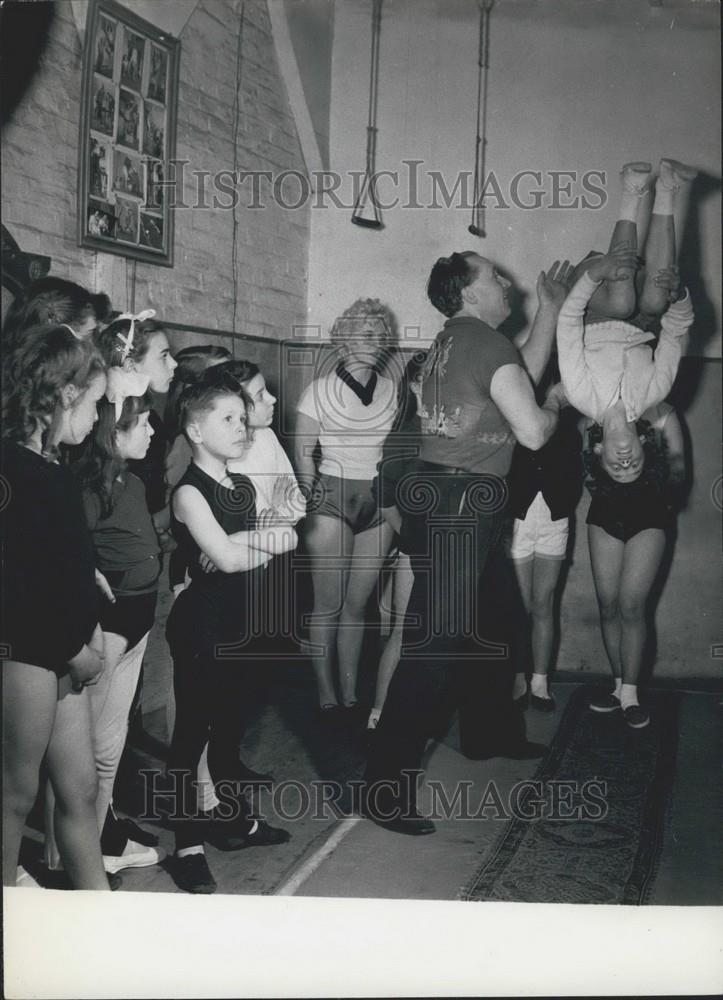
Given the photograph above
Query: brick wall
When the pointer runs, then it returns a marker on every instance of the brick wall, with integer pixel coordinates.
(39, 161)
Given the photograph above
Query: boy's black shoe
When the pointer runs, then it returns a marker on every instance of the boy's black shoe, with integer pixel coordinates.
(225, 838)
(192, 874)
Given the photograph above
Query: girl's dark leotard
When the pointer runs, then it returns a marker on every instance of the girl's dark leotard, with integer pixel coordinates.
(625, 509)
(49, 600)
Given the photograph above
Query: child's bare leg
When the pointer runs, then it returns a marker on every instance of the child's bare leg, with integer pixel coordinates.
(617, 299)
(660, 250)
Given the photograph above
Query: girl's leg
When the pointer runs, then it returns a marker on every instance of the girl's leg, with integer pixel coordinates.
(523, 572)
(616, 299)
(71, 769)
(110, 704)
(546, 573)
(641, 561)
(330, 543)
(30, 696)
(660, 250)
(402, 583)
(370, 550)
(606, 559)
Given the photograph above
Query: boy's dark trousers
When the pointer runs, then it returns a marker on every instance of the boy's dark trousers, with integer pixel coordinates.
(214, 697)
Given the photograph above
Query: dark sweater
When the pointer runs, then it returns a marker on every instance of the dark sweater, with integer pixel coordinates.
(49, 596)
(555, 471)
(126, 545)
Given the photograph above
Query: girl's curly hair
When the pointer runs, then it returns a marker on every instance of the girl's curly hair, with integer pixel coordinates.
(34, 376)
(99, 465)
(356, 315)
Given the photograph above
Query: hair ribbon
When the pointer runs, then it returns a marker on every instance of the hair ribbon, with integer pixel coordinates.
(127, 341)
(122, 384)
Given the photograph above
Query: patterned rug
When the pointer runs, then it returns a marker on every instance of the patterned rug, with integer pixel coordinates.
(589, 845)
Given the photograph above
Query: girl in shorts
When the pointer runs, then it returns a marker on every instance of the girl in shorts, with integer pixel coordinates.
(544, 490)
(347, 411)
(627, 522)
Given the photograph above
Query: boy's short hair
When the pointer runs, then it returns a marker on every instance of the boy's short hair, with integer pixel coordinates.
(199, 398)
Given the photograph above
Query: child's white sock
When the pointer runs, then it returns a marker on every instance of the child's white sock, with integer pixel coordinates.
(185, 851)
(635, 179)
(538, 685)
(671, 174)
(629, 695)
(519, 689)
(618, 687)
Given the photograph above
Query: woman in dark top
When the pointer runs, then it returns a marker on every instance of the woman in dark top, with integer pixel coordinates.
(52, 642)
(401, 447)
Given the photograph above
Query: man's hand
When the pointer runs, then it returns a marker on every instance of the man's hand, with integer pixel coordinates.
(620, 264)
(553, 286)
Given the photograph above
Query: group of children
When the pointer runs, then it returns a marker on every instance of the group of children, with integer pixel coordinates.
(82, 533)
(87, 466)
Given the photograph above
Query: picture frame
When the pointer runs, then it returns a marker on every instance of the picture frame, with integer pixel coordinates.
(127, 137)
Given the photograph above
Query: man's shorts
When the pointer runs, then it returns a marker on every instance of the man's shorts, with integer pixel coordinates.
(538, 534)
(350, 500)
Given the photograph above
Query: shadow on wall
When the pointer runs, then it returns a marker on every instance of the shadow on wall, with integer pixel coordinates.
(24, 29)
(691, 260)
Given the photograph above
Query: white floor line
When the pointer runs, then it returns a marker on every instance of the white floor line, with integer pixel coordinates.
(292, 884)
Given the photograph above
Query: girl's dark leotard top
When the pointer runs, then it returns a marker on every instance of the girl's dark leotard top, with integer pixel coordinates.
(50, 600)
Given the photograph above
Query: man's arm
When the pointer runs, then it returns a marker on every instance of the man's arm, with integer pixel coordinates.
(512, 393)
(535, 348)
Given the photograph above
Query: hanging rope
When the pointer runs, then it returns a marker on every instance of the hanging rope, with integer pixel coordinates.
(236, 132)
(477, 226)
(366, 209)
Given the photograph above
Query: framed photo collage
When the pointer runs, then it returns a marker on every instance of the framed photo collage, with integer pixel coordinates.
(127, 135)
